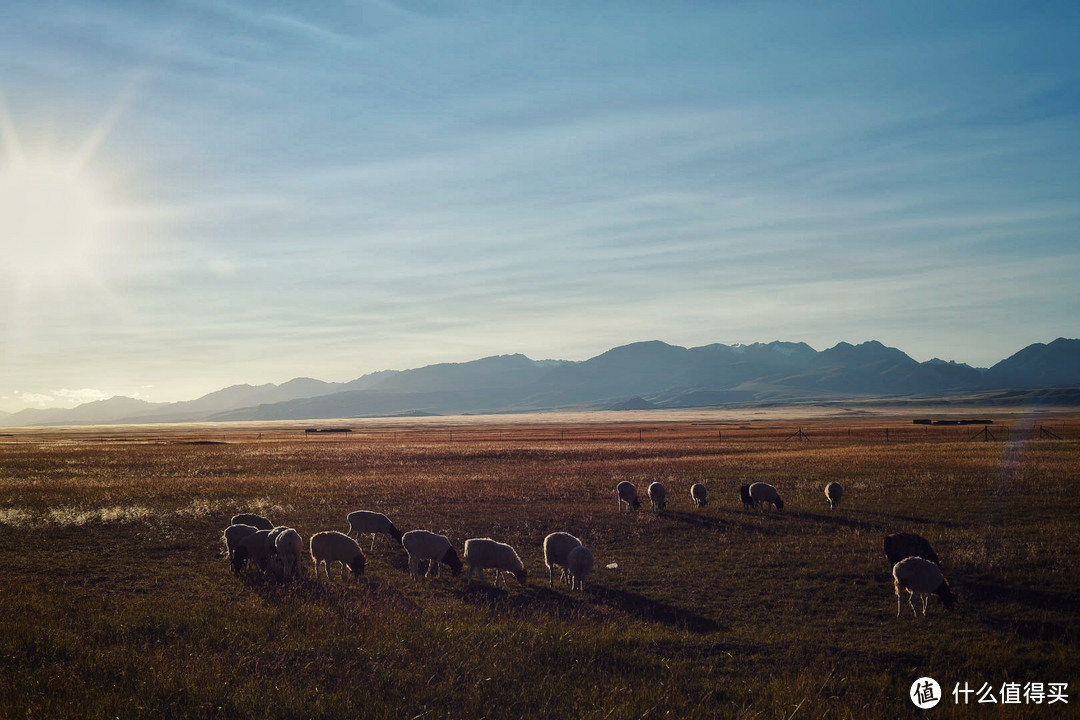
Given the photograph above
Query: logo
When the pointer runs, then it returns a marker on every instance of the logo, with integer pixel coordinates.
(925, 693)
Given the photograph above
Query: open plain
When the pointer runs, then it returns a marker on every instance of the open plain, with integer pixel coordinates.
(116, 603)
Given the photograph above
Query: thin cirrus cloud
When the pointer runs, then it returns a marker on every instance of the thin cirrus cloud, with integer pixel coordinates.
(329, 191)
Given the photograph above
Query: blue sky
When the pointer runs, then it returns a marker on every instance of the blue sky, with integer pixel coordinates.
(329, 189)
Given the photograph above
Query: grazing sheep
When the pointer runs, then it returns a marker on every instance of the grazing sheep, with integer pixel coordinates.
(290, 548)
(699, 495)
(747, 501)
(579, 565)
(252, 548)
(484, 553)
(233, 535)
(765, 494)
(627, 493)
(435, 549)
(658, 495)
(898, 546)
(557, 547)
(332, 546)
(919, 575)
(256, 521)
(365, 521)
(833, 492)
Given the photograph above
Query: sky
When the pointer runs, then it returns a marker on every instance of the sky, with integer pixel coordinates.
(205, 193)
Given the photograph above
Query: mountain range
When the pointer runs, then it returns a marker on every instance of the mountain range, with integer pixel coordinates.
(642, 375)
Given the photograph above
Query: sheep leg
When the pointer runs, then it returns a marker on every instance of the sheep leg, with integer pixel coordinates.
(910, 597)
(373, 537)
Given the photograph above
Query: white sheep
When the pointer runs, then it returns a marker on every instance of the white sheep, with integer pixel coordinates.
(332, 546)
(699, 495)
(766, 494)
(658, 495)
(833, 492)
(233, 535)
(557, 547)
(253, 548)
(579, 565)
(290, 548)
(898, 546)
(435, 549)
(256, 521)
(366, 521)
(627, 493)
(747, 501)
(920, 576)
(484, 553)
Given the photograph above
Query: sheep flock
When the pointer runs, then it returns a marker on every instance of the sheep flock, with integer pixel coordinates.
(254, 543)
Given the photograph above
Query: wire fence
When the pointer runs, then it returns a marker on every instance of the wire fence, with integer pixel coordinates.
(810, 434)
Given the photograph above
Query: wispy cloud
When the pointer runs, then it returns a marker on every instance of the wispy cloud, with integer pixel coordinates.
(324, 191)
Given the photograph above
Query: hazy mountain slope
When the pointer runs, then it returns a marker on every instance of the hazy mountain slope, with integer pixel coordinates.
(638, 375)
(1053, 365)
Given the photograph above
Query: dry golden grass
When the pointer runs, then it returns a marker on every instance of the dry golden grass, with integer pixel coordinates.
(116, 604)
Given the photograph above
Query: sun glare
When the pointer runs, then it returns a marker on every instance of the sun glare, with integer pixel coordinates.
(49, 219)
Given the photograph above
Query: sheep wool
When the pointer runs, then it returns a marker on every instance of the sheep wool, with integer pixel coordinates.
(423, 545)
(627, 493)
(766, 494)
(290, 548)
(833, 492)
(921, 577)
(256, 521)
(658, 495)
(747, 501)
(331, 546)
(255, 548)
(365, 521)
(898, 546)
(484, 553)
(699, 495)
(233, 535)
(579, 565)
(557, 548)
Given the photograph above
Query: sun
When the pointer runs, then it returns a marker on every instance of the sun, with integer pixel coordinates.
(50, 219)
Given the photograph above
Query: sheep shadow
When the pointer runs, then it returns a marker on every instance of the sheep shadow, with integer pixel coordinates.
(652, 610)
(715, 523)
(910, 519)
(990, 592)
(843, 521)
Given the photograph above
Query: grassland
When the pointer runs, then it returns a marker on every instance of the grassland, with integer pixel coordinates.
(114, 602)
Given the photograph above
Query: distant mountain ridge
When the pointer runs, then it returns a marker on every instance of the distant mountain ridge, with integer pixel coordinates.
(641, 375)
